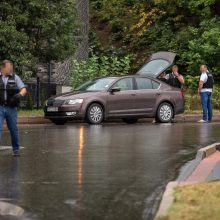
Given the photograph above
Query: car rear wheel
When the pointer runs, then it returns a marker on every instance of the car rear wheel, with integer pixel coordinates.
(130, 120)
(95, 114)
(59, 121)
(165, 113)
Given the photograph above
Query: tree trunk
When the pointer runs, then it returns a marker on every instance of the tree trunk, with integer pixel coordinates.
(82, 7)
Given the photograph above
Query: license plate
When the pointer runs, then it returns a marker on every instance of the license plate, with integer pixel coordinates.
(52, 109)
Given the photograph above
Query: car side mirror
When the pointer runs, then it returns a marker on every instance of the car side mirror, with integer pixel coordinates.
(115, 89)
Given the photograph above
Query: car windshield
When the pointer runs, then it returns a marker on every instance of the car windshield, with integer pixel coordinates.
(96, 84)
(154, 67)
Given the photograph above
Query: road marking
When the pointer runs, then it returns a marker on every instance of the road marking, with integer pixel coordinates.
(8, 148)
(10, 209)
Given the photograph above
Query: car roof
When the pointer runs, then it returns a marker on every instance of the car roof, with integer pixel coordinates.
(127, 76)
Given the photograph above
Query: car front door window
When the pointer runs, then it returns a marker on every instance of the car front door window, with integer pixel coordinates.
(124, 84)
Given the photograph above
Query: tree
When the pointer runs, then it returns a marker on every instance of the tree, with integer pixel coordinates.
(188, 27)
(33, 31)
(82, 7)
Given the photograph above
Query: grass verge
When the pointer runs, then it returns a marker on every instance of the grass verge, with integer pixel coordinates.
(31, 113)
(195, 202)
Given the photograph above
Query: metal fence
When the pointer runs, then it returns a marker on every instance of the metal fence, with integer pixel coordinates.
(37, 94)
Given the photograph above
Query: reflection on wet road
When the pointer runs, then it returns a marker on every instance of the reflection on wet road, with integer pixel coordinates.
(106, 172)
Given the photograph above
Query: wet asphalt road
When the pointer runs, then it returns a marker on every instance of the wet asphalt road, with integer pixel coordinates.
(106, 172)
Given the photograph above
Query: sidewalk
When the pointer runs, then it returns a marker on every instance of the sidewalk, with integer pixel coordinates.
(203, 168)
(206, 170)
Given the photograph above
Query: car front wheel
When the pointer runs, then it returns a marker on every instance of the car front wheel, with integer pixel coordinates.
(165, 113)
(95, 114)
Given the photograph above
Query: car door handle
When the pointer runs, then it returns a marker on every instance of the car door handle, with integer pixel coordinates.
(158, 93)
(133, 94)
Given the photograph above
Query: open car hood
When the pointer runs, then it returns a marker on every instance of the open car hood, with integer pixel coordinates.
(158, 63)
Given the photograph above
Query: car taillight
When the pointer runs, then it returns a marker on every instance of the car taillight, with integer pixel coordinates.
(182, 93)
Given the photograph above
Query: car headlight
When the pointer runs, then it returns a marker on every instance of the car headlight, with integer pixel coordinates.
(73, 101)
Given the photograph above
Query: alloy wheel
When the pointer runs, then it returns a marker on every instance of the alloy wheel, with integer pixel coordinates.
(96, 114)
(166, 112)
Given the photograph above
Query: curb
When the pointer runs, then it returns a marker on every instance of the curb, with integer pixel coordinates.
(194, 118)
(187, 170)
(167, 199)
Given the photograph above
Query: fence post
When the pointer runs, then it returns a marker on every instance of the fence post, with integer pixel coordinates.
(38, 92)
(49, 80)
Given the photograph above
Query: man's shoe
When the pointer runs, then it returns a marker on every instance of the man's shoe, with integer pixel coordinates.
(202, 121)
(16, 154)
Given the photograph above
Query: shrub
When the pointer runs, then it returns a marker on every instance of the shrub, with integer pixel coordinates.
(216, 97)
(83, 71)
(192, 102)
(30, 103)
(191, 83)
(192, 99)
(42, 99)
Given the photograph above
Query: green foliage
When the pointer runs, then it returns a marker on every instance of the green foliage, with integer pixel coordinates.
(36, 30)
(42, 99)
(30, 103)
(192, 102)
(191, 83)
(99, 67)
(192, 99)
(216, 97)
(190, 28)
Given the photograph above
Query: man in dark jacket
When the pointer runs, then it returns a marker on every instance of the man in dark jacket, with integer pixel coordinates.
(175, 79)
(11, 90)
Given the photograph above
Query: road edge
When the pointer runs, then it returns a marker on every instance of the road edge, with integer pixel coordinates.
(184, 118)
(167, 200)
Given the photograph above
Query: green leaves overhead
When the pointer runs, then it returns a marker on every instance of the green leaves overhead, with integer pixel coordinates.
(188, 27)
(37, 30)
(99, 67)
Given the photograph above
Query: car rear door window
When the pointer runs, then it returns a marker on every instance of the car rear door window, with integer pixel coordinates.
(155, 84)
(143, 83)
(124, 84)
